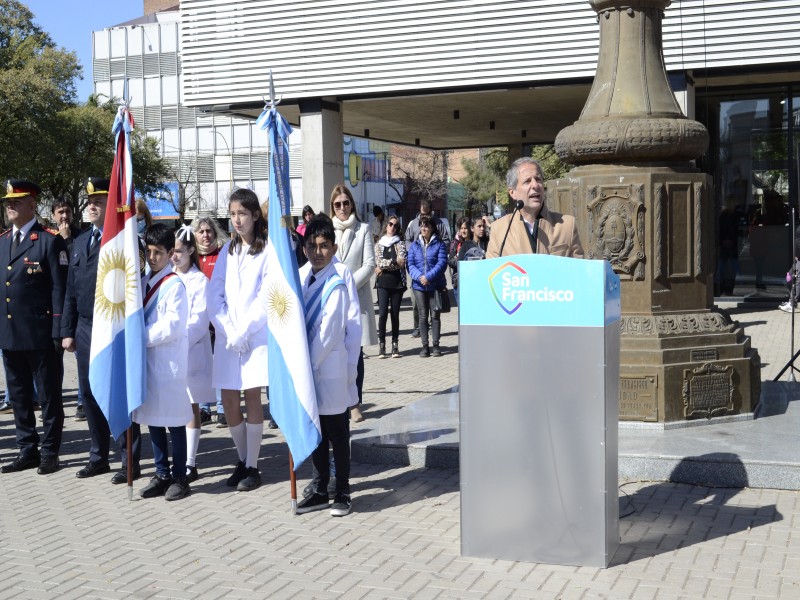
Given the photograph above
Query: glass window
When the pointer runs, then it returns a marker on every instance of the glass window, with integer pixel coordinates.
(205, 139)
(241, 138)
(169, 90)
(136, 92)
(172, 141)
(118, 88)
(152, 91)
(134, 41)
(169, 37)
(101, 44)
(118, 42)
(188, 139)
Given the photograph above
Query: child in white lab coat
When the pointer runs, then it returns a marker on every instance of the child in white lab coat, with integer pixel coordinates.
(166, 404)
(238, 311)
(186, 264)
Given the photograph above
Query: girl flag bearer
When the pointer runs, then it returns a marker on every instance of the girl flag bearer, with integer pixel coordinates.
(236, 305)
(185, 264)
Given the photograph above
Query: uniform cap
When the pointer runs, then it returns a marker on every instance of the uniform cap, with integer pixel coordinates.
(19, 188)
(97, 185)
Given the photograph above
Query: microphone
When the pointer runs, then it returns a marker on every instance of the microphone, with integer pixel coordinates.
(517, 207)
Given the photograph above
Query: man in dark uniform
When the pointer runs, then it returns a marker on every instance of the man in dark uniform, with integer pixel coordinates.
(33, 271)
(76, 329)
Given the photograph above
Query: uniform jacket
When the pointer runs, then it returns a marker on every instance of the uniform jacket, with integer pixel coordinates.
(430, 261)
(200, 357)
(81, 281)
(334, 373)
(558, 235)
(357, 252)
(166, 403)
(237, 304)
(34, 280)
(353, 330)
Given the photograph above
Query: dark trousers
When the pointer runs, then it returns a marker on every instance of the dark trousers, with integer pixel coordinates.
(99, 432)
(360, 374)
(22, 368)
(389, 299)
(158, 436)
(424, 308)
(336, 432)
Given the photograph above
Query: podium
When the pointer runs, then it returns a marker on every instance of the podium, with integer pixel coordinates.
(539, 340)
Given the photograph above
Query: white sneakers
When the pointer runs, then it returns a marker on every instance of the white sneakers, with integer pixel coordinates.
(786, 307)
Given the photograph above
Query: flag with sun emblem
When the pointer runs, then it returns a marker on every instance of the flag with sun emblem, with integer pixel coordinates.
(292, 397)
(117, 357)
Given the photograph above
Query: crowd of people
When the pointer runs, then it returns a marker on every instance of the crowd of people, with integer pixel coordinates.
(206, 329)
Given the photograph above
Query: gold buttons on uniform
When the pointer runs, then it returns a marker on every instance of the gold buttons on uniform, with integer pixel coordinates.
(9, 267)
(9, 316)
(8, 283)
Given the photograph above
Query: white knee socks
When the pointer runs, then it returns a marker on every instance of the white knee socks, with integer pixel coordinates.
(255, 431)
(239, 440)
(192, 442)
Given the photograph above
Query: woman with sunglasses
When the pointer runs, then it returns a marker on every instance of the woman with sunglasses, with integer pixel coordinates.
(390, 281)
(355, 249)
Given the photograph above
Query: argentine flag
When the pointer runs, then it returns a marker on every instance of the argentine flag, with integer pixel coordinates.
(292, 397)
(117, 358)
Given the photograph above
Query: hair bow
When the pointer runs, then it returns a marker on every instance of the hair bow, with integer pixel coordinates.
(184, 233)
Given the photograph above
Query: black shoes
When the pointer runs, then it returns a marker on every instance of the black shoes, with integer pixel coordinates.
(158, 486)
(205, 416)
(250, 482)
(395, 351)
(48, 464)
(382, 351)
(415, 333)
(179, 488)
(239, 473)
(272, 424)
(425, 352)
(341, 505)
(93, 469)
(312, 503)
(79, 414)
(21, 463)
(221, 421)
(311, 488)
(191, 474)
(121, 476)
(436, 352)
(5, 407)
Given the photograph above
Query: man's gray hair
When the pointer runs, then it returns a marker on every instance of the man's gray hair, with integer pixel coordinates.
(513, 172)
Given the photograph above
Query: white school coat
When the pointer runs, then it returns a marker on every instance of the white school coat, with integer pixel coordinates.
(166, 403)
(353, 333)
(357, 252)
(237, 303)
(334, 375)
(200, 357)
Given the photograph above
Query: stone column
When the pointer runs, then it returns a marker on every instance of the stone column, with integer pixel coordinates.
(643, 206)
(322, 150)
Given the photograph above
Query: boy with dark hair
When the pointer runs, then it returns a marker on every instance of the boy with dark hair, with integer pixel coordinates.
(166, 404)
(327, 303)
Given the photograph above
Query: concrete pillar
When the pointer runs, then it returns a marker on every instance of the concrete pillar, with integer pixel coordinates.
(515, 151)
(682, 86)
(322, 150)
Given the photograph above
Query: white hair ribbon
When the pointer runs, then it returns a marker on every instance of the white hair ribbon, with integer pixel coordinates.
(184, 233)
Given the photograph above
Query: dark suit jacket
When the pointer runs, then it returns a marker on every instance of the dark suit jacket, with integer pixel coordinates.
(34, 280)
(558, 235)
(81, 281)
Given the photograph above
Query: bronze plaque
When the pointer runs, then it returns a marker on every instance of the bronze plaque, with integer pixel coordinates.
(637, 399)
(704, 354)
(708, 391)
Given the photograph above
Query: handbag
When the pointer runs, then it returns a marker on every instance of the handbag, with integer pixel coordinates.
(441, 301)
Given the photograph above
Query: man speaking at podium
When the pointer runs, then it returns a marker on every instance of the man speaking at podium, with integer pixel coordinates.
(536, 230)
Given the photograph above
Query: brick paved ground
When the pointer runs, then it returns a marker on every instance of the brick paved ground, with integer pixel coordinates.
(65, 538)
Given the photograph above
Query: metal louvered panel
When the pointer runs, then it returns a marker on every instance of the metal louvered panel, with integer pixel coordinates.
(101, 70)
(138, 115)
(169, 117)
(205, 167)
(330, 47)
(295, 161)
(187, 117)
(152, 117)
(241, 166)
(117, 66)
(134, 66)
(150, 64)
(169, 63)
(259, 165)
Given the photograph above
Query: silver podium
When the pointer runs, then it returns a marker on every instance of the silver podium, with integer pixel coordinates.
(539, 371)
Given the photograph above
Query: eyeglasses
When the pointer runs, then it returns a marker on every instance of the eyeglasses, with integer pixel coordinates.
(342, 204)
(393, 224)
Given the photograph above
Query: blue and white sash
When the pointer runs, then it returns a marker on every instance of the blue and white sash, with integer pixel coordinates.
(318, 299)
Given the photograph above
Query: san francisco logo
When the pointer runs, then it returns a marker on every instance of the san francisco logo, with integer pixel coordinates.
(511, 287)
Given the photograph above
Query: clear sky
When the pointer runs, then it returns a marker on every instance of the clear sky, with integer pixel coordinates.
(70, 24)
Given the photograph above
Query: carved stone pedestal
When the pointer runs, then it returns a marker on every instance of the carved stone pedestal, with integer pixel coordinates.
(679, 359)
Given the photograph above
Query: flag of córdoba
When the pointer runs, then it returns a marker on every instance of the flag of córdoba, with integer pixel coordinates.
(117, 358)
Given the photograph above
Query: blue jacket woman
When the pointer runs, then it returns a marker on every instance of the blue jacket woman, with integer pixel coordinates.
(427, 262)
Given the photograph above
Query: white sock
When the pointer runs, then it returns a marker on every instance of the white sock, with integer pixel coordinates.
(255, 432)
(192, 442)
(239, 440)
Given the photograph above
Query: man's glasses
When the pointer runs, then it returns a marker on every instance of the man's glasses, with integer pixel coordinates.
(342, 204)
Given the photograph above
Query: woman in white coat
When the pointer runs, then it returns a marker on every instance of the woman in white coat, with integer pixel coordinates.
(185, 262)
(357, 251)
(238, 311)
